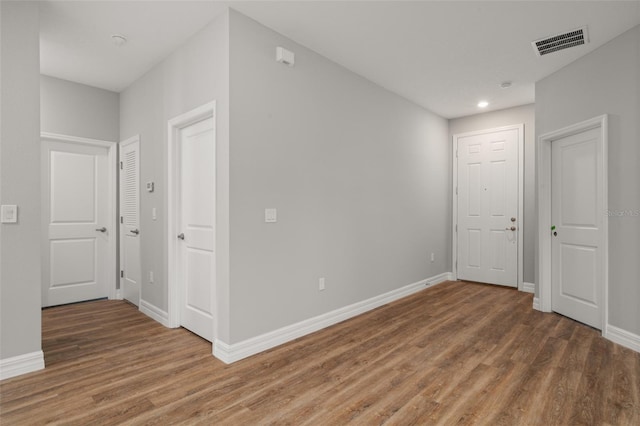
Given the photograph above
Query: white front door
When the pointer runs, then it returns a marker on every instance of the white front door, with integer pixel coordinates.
(577, 261)
(77, 226)
(130, 273)
(196, 241)
(487, 206)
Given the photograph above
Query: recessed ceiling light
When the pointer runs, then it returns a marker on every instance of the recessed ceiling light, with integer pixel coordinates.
(118, 39)
(483, 104)
(505, 84)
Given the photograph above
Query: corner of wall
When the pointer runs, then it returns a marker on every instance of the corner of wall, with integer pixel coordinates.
(20, 280)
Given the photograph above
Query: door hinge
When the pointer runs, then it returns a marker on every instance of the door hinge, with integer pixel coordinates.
(121, 165)
(121, 219)
(456, 228)
(121, 274)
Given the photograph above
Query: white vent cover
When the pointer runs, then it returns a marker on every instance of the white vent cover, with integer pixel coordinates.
(561, 41)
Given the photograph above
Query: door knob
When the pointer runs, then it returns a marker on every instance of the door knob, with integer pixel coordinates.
(103, 229)
(181, 236)
(135, 231)
(513, 228)
(513, 219)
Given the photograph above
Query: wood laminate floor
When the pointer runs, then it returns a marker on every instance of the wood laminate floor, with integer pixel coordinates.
(457, 353)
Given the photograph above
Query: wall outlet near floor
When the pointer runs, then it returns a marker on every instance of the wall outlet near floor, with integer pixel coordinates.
(321, 284)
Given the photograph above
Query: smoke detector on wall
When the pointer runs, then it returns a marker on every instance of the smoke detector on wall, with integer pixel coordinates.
(285, 56)
(562, 41)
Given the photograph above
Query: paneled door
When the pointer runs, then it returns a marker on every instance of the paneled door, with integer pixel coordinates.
(130, 272)
(577, 268)
(488, 206)
(78, 228)
(193, 281)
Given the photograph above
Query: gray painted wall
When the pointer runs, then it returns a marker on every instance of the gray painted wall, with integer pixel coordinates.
(193, 75)
(75, 109)
(20, 179)
(607, 81)
(358, 175)
(522, 114)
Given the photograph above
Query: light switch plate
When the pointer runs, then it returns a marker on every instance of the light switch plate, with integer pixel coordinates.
(9, 213)
(270, 215)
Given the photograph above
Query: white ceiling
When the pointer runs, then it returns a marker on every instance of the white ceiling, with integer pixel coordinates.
(444, 56)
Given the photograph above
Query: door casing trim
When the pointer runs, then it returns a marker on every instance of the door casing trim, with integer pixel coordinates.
(454, 227)
(544, 209)
(112, 168)
(176, 124)
(121, 144)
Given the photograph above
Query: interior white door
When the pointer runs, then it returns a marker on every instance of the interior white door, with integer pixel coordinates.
(196, 226)
(130, 271)
(577, 265)
(76, 215)
(487, 200)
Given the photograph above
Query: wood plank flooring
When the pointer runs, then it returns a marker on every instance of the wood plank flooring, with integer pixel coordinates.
(457, 353)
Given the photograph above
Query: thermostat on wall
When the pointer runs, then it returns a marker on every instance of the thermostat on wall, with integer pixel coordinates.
(9, 214)
(150, 186)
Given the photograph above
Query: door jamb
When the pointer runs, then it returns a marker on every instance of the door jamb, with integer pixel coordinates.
(112, 164)
(544, 209)
(175, 125)
(520, 215)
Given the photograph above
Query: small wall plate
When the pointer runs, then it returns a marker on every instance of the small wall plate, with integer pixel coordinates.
(9, 213)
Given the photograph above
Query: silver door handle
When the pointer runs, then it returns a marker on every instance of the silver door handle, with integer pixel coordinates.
(135, 231)
(513, 228)
(103, 229)
(181, 236)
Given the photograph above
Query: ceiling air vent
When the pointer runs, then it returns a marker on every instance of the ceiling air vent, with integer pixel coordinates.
(561, 41)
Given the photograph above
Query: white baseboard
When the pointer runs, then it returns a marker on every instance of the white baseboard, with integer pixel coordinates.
(21, 364)
(622, 337)
(528, 287)
(438, 279)
(154, 312)
(237, 351)
(536, 304)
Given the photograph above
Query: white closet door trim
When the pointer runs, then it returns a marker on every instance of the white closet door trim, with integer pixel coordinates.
(173, 133)
(134, 140)
(112, 222)
(544, 209)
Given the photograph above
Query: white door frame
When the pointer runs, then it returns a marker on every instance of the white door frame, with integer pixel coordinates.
(112, 166)
(174, 126)
(454, 244)
(544, 210)
(121, 228)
